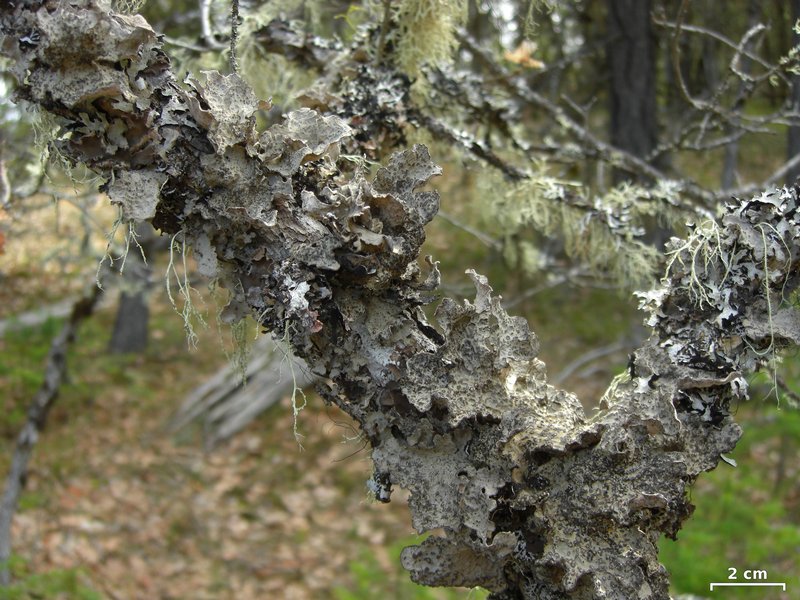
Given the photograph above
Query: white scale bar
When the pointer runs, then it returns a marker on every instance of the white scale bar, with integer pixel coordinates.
(718, 584)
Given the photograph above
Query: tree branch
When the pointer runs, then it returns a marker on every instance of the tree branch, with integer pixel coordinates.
(601, 149)
(533, 499)
(55, 369)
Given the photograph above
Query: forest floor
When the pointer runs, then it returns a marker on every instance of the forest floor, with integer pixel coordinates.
(116, 506)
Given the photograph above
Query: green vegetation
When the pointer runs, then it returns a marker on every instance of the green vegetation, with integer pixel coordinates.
(747, 517)
(261, 497)
(58, 584)
(113, 407)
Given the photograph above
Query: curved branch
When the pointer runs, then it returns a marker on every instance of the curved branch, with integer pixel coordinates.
(533, 499)
(46, 395)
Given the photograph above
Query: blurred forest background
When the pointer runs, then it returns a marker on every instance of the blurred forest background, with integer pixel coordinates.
(654, 112)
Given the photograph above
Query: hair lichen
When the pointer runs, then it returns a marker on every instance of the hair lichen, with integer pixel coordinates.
(188, 311)
(605, 232)
(426, 32)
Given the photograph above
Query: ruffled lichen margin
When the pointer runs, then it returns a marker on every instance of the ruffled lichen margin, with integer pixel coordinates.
(532, 499)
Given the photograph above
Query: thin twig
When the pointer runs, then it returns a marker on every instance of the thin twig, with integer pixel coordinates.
(184, 44)
(717, 36)
(675, 50)
(594, 146)
(735, 64)
(773, 180)
(205, 24)
(551, 283)
(786, 390)
(484, 238)
(234, 35)
(443, 131)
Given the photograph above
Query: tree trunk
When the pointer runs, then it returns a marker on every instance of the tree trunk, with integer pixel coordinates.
(631, 55)
(130, 325)
(793, 136)
(479, 23)
(133, 313)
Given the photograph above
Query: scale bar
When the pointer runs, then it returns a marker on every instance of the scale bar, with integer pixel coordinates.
(719, 584)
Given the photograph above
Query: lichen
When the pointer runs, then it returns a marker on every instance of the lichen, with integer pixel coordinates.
(604, 233)
(425, 32)
(530, 498)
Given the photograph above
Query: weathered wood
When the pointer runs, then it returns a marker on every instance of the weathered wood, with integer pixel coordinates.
(230, 400)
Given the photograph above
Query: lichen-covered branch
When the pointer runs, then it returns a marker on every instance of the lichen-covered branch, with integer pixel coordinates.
(532, 498)
(376, 102)
(591, 144)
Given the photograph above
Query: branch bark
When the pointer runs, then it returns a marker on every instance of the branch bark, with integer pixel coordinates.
(630, 52)
(55, 369)
(594, 146)
(533, 499)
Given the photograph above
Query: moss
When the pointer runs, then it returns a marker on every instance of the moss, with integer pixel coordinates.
(57, 583)
(734, 500)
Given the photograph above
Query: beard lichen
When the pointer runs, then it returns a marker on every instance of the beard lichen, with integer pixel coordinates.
(298, 397)
(128, 7)
(426, 32)
(108, 260)
(187, 310)
(270, 75)
(532, 501)
(605, 233)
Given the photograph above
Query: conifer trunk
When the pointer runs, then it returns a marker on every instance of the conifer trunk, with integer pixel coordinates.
(631, 56)
(793, 135)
